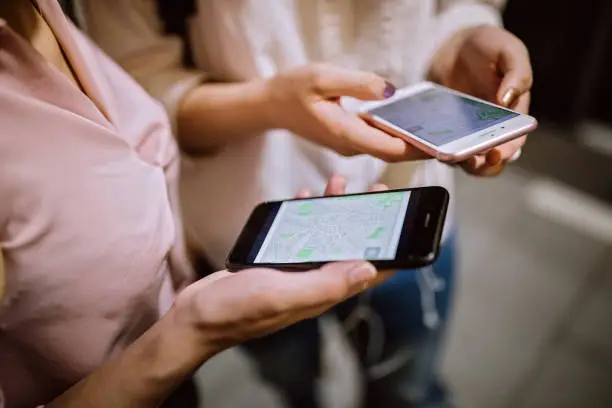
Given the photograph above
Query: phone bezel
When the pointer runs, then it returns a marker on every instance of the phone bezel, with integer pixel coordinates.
(456, 150)
(425, 218)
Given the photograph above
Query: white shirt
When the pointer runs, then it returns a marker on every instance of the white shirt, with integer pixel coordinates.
(239, 40)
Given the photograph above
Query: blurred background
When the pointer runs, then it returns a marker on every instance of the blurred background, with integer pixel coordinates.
(533, 320)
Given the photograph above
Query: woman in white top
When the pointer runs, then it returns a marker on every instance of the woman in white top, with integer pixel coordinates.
(241, 108)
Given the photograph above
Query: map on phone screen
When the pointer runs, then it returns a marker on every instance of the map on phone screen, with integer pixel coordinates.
(440, 117)
(336, 228)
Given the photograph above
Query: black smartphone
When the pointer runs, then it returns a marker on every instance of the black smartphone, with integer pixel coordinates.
(395, 229)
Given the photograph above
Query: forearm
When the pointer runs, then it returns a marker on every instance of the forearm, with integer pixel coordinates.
(215, 115)
(144, 374)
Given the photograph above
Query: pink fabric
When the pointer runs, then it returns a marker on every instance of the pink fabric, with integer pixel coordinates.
(87, 226)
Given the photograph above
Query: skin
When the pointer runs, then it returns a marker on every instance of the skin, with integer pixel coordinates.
(208, 317)
(487, 62)
(226, 309)
(492, 64)
(303, 100)
(213, 314)
(26, 21)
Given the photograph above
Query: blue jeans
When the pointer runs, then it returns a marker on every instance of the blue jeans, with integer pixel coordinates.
(403, 372)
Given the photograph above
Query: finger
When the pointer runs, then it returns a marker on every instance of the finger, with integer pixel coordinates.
(491, 171)
(473, 164)
(325, 132)
(494, 161)
(378, 187)
(478, 82)
(515, 66)
(303, 193)
(523, 103)
(328, 285)
(209, 279)
(364, 138)
(335, 186)
(382, 277)
(509, 149)
(286, 319)
(213, 277)
(318, 310)
(330, 81)
(487, 170)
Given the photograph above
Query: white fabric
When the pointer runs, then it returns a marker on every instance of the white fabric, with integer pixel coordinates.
(238, 40)
(243, 39)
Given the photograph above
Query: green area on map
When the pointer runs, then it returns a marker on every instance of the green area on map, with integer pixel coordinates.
(491, 113)
(287, 235)
(388, 199)
(305, 253)
(350, 198)
(305, 209)
(376, 233)
(486, 112)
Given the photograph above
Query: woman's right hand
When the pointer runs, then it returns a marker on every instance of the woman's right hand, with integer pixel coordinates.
(225, 309)
(305, 101)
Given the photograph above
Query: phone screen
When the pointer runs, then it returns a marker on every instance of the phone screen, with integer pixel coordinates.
(327, 229)
(440, 117)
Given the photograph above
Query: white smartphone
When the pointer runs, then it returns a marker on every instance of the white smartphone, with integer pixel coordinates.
(446, 124)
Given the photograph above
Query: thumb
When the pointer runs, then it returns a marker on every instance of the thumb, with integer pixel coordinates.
(515, 66)
(326, 286)
(330, 81)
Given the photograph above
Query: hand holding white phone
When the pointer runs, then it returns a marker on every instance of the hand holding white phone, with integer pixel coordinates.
(448, 125)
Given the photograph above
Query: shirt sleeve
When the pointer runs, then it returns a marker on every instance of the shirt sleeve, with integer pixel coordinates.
(131, 32)
(453, 16)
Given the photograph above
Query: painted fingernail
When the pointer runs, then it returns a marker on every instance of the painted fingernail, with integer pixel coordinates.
(389, 90)
(510, 97)
(362, 274)
(516, 156)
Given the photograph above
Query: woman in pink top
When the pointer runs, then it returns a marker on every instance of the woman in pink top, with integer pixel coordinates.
(91, 246)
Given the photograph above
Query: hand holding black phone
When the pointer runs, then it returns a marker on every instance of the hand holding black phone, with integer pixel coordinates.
(395, 229)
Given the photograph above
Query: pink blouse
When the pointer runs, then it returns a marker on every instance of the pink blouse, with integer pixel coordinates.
(88, 230)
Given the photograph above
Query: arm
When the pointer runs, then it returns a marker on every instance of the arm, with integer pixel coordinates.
(211, 115)
(205, 116)
(211, 315)
(145, 373)
(208, 116)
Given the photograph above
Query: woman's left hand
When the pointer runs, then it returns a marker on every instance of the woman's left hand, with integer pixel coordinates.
(492, 64)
